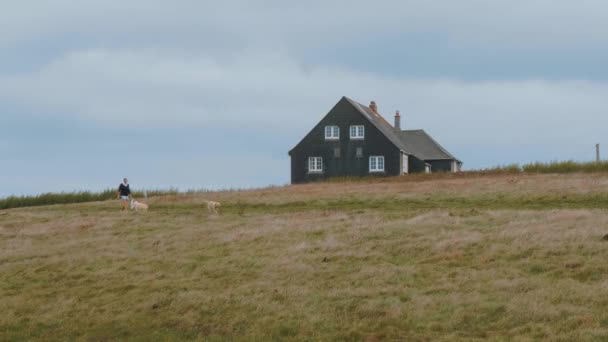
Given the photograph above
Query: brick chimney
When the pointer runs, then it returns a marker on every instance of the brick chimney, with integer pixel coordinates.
(398, 121)
(373, 107)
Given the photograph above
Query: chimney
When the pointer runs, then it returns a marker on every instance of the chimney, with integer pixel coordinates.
(398, 121)
(373, 107)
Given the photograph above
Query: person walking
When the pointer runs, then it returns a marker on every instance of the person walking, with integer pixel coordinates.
(124, 193)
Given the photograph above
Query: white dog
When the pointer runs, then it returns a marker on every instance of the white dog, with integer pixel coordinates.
(212, 207)
(138, 205)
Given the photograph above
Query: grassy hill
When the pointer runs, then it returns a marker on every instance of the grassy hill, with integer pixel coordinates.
(445, 257)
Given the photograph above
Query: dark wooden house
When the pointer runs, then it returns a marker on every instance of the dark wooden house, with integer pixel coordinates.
(355, 140)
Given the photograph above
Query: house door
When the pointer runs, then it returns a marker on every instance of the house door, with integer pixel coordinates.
(406, 163)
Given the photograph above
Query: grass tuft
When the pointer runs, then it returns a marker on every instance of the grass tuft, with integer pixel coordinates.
(73, 197)
(566, 167)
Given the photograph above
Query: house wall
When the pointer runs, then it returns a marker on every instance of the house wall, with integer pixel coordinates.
(416, 165)
(348, 164)
(441, 165)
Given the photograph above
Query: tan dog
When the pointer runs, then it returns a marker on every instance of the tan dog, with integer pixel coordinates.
(212, 207)
(138, 205)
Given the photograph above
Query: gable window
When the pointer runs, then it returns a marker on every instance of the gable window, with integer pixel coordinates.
(332, 132)
(376, 164)
(357, 132)
(315, 164)
(359, 151)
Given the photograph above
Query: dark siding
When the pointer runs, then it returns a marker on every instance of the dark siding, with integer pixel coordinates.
(348, 164)
(441, 165)
(416, 165)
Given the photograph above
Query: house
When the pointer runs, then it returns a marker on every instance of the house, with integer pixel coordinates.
(355, 140)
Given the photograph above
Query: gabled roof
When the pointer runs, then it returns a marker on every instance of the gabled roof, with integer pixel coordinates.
(423, 146)
(413, 142)
(380, 123)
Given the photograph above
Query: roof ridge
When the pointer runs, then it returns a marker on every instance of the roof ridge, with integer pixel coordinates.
(376, 113)
(387, 130)
(398, 137)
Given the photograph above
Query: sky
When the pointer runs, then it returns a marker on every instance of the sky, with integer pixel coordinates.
(197, 94)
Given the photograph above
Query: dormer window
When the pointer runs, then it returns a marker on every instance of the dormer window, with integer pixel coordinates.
(332, 132)
(357, 132)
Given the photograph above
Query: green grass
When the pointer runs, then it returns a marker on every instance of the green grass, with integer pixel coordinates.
(508, 168)
(71, 197)
(538, 167)
(529, 202)
(552, 167)
(566, 167)
(474, 258)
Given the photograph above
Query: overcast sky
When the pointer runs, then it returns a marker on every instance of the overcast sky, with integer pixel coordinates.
(200, 94)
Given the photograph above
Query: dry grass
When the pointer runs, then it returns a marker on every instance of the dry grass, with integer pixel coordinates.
(296, 270)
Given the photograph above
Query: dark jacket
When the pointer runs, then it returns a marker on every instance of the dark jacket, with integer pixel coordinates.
(124, 190)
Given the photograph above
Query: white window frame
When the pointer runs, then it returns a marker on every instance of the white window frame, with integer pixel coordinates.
(332, 133)
(315, 164)
(374, 163)
(359, 132)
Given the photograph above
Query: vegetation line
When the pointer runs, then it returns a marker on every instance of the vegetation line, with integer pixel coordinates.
(568, 166)
(71, 198)
(557, 167)
(499, 201)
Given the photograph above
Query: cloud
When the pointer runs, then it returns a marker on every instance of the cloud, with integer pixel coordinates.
(514, 23)
(151, 88)
(470, 39)
(492, 81)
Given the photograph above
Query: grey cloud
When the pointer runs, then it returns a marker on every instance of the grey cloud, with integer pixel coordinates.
(158, 89)
(485, 78)
(513, 23)
(471, 39)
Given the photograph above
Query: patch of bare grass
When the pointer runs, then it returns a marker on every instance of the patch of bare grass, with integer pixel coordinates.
(432, 265)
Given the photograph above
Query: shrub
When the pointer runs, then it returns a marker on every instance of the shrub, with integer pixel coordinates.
(566, 167)
(508, 168)
(72, 197)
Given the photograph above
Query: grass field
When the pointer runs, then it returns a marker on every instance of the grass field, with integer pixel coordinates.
(500, 257)
(556, 167)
